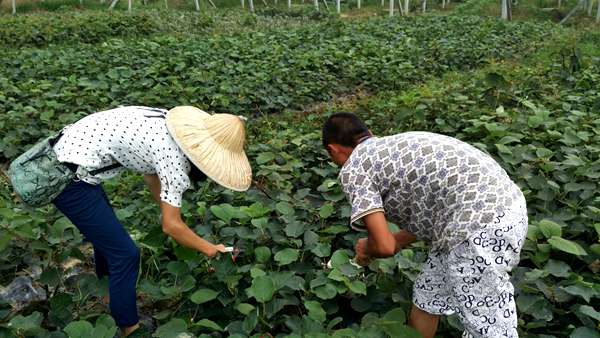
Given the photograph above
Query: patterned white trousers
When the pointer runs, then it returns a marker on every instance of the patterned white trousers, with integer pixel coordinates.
(473, 279)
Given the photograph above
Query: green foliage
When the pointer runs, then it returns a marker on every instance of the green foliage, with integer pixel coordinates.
(541, 127)
(242, 74)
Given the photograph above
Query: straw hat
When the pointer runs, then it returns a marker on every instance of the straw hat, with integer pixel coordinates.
(214, 143)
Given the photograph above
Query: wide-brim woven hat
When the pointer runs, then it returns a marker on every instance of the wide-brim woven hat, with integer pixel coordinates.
(213, 143)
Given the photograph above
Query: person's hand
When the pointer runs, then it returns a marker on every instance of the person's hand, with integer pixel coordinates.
(218, 248)
(362, 257)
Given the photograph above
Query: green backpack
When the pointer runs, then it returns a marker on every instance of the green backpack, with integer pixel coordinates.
(38, 177)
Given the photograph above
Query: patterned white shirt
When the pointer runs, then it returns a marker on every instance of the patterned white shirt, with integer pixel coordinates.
(438, 188)
(135, 137)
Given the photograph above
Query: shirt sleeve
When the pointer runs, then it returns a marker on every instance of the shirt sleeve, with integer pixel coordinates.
(362, 193)
(172, 168)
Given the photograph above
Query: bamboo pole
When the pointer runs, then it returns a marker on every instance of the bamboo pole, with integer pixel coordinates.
(243, 3)
(197, 4)
(598, 13)
(406, 7)
(424, 6)
(338, 6)
(14, 7)
(128, 6)
(317, 4)
(358, 5)
(391, 8)
(251, 4)
(289, 3)
(590, 7)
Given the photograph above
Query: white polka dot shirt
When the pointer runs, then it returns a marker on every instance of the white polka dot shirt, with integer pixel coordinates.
(135, 137)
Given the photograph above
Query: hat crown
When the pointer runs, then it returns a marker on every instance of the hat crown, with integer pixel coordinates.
(227, 130)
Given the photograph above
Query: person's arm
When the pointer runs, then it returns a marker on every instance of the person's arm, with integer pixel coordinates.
(403, 238)
(153, 183)
(173, 225)
(381, 242)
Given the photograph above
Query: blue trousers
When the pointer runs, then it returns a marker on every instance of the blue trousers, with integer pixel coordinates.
(116, 255)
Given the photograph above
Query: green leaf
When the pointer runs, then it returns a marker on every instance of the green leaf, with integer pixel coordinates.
(262, 289)
(203, 296)
(315, 311)
(567, 246)
(550, 228)
(286, 256)
(284, 208)
(326, 291)
(28, 325)
(175, 328)
(209, 324)
(245, 308)
(557, 268)
(225, 212)
(262, 254)
(79, 329)
(584, 332)
(584, 291)
(263, 158)
(326, 210)
(589, 311)
(294, 229)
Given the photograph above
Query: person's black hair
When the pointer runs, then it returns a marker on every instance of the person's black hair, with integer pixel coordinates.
(345, 129)
(196, 175)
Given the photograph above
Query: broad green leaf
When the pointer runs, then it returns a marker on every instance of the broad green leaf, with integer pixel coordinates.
(550, 228)
(262, 289)
(557, 268)
(584, 291)
(315, 311)
(28, 325)
(589, 311)
(286, 256)
(79, 329)
(203, 296)
(567, 246)
(327, 291)
(294, 229)
(584, 332)
(208, 324)
(262, 254)
(326, 210)
(284, 208)
(226, 212)
(245, 308)
(175, 328)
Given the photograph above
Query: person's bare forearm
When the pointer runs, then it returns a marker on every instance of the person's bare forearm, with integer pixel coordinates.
(153, 184)
(403, 238)
(185, 236)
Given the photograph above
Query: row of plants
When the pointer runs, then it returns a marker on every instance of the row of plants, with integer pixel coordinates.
(38, 30)
(539, 122)
(246, 73)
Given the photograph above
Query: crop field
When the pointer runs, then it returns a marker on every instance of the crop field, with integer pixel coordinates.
(527, 92)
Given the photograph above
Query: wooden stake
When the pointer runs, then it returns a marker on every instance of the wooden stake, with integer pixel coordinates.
(128, 6)
(406, 7)
(198, 5)
(338, 6)
(14, 7)
(289, 3)
(358, 5)
(243, 4)
(251, 4)
(391, 8)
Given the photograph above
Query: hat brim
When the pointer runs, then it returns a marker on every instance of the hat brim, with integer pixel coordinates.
(228, 168)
